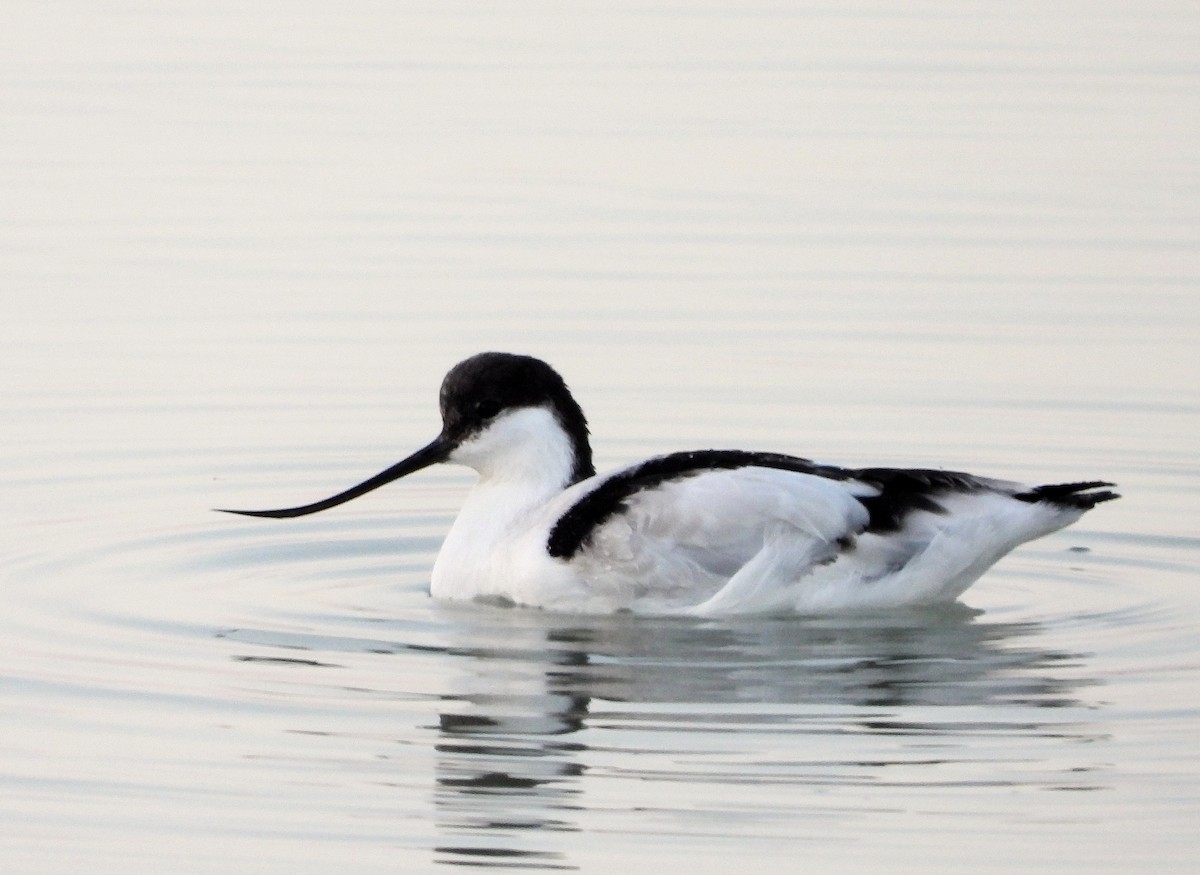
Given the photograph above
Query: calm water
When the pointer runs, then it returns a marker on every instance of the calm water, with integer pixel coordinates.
(240, 247)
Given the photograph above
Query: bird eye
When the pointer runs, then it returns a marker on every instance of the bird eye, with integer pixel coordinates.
(487, 408)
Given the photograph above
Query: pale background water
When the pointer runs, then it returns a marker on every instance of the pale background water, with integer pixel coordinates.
(241, 244)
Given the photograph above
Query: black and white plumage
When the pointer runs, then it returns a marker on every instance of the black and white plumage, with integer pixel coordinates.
(706, 532)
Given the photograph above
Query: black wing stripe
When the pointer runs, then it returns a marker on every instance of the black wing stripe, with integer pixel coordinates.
(576, 526)
(900, 491)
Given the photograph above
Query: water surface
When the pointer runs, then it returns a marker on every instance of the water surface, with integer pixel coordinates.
(241, 246)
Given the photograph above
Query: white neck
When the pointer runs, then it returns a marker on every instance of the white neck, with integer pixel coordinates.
(524, 459)
(526, 446)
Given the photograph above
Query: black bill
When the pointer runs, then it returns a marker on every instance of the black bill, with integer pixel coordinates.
(435, 452)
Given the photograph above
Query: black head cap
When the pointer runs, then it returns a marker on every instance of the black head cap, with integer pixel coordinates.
(477, 389)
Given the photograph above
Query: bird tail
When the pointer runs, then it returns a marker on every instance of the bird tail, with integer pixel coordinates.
(1079, 496)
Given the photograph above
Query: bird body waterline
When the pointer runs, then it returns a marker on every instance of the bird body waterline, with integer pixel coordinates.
(706, 532)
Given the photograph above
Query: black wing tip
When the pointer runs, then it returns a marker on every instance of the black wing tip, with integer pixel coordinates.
(1081, 496)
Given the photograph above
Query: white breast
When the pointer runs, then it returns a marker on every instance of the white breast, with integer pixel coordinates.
(497, 543)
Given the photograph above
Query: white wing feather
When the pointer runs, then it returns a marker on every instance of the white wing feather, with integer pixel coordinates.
(735, 532)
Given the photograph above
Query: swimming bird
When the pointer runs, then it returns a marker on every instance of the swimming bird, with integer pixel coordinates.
(705, 532)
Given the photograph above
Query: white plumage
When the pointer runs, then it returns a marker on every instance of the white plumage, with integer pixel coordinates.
(706, 533)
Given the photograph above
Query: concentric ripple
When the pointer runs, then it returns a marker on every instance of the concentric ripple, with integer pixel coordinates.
(226, 677)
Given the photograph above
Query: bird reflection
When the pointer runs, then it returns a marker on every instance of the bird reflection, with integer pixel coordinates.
(514, 732)
(504, 768)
